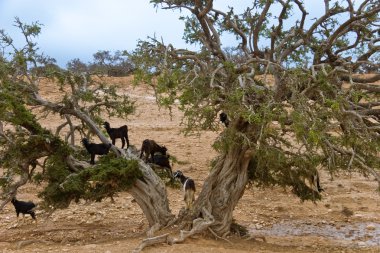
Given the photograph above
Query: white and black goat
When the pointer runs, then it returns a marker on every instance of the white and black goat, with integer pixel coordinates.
(188, 188)
(95, 149)
(117, 133)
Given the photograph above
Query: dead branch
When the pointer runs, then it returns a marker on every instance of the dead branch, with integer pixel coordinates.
(12, 190)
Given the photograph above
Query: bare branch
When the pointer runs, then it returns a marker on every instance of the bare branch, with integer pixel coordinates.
(258, 26)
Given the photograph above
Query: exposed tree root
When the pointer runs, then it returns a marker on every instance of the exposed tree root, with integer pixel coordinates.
(218, 237)
(153, 229)
(199, 225)
(152, 241)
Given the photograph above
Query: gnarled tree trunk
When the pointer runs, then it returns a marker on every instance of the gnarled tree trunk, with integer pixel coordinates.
(224, 187)
(150, 194)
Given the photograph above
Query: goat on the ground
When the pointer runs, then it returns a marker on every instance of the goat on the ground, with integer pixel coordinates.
(149, 147)
(117, 133)
(224, 119)
(188, 188)
(24, 208)
(95, 149)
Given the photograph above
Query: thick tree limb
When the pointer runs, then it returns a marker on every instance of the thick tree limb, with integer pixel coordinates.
(361, 80)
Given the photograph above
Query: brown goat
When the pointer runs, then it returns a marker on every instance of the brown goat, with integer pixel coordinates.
(149, 147)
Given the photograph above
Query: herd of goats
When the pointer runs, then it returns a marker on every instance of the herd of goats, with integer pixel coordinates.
(153, 153)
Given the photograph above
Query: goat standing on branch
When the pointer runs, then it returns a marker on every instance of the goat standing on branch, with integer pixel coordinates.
(149, 147)
(95, 149)
(117, 133)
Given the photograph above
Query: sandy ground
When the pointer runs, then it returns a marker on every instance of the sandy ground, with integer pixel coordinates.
(346, 220)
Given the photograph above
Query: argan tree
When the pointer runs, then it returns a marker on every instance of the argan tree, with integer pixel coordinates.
(31, 152)
(290, 87)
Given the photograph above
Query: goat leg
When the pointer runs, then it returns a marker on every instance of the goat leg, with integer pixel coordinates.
(92, 159)
(126, 138)
(122, 142)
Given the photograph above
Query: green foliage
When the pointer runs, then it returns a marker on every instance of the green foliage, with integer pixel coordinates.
(85, 101)
(273, 167)
(108, 177)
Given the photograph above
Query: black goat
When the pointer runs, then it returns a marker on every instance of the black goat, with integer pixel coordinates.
(24, 208)
(116, 133)
(149, 147)
(188, 188)
(96, 149)
(224, 119)
(163, 161)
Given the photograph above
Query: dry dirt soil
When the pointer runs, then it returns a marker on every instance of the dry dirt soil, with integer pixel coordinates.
(346, 220)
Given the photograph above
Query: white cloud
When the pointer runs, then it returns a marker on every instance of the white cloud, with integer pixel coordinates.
(79, 28)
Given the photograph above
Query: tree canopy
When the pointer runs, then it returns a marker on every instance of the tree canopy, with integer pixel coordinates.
(292, 86)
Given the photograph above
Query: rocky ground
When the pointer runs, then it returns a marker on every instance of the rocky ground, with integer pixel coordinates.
(346, 220)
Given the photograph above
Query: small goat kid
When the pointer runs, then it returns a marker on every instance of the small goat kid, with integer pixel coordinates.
(24, 208)
(188, 188)
(117, 133)
(95, 149)
(149, 147)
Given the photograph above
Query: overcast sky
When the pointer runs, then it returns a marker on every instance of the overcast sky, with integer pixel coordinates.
(79, 28)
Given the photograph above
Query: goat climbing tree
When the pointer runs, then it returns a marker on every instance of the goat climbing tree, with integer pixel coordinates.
(291, 86)
(26, 144)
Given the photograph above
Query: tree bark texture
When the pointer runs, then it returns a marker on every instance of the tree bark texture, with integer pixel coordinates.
(224, 187)
(151, 195)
